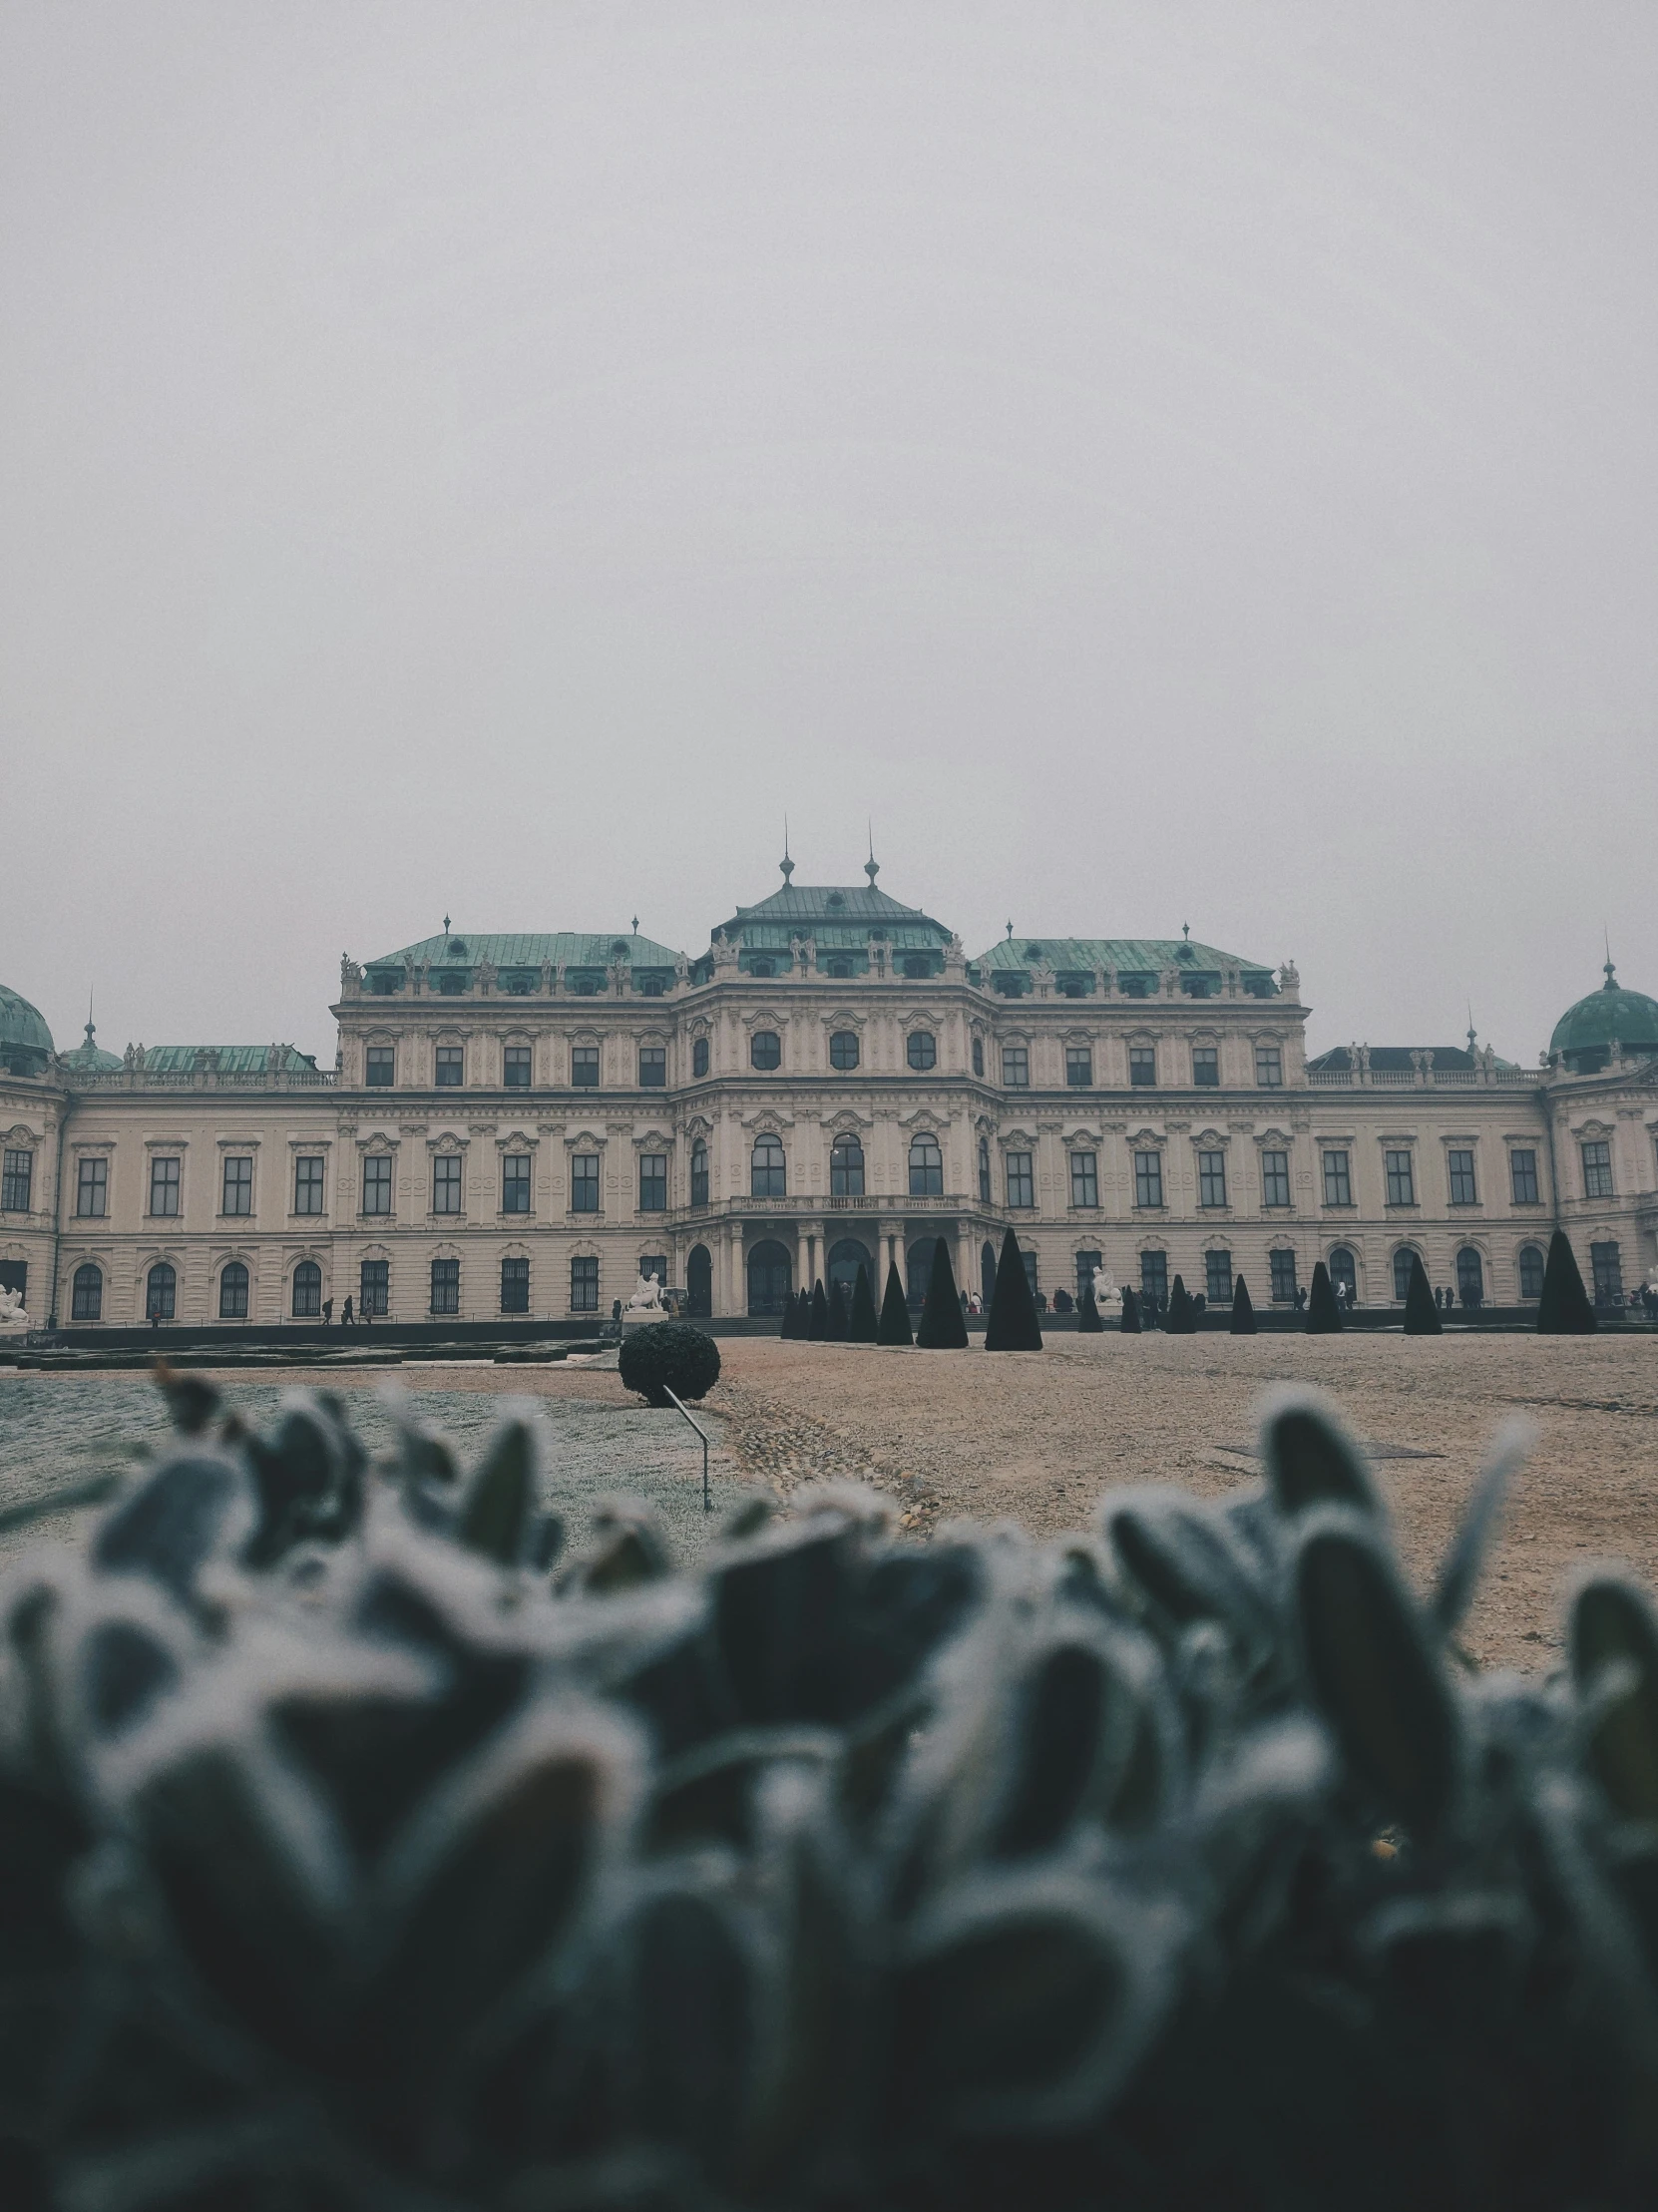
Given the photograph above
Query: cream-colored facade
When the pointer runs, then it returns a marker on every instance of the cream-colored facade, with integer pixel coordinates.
(519, 1126)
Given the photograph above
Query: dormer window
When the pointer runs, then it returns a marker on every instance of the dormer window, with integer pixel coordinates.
(917, 966)
(835, 900)
(760, 967)
(457, 947)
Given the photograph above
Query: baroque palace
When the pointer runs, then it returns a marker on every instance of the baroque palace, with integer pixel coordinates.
(522, 1125)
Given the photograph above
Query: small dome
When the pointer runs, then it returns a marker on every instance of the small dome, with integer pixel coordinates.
(91, 1060)
(25, 1040)
(1584, 1034)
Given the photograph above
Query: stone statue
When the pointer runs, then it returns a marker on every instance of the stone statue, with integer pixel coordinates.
(681, 969)
(1105, 1293)
(13, 1319)
(350, 976)
(484, 976)
(648, 1296)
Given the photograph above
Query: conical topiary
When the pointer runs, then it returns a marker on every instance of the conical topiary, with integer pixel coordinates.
(1180, 1320)
(839, 1315)
(1131, 1311)
(1088, 1322)
(1421, 1316)
(792, 1316)
(894, 1324)
(1324, 1316)
(817, 1314)
(1564, 1308)
(1243, 1309)
(860, 1328)
(942, 1327)
(1013, 1325)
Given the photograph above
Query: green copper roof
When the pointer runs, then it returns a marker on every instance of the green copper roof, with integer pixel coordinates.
(840, 912)
(1589, 1028)
(22, 1024)
(573, 948)
(230, 1060)
(1127, 954)
(90, 1060)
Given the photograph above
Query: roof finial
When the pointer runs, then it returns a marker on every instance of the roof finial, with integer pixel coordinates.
(872, 867)
(1611, 982)
(635, 925)
(787, 864)
(89, 1030)
(446, 925)
(1009, 933)
(1472, 1040)
(1187, 931)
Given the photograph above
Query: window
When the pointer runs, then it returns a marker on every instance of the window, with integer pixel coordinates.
(1522, 1171)
(768, 1175)
(374, 1288)
(700, 1057)
(239, 1187)
(1282, 1265)
(1207, 1067)
(1344, 1273)
(979, 1056)
(17, 1175)
(1470, 1277)
(161, 1292)
(1400, 1177)
(652, 1067)
(1021, 1183)
(1084, 1180)
(1402, 1272)
(1607, 1272)
(446, 1286)
(516, 1067)
(515, 1182)
(654, 1264)
(1532, 1271)
(1087, 1262)
(307, 1185)
(1459, 1169)
(382, 1070)
(759, 966)
(1269, 1068)
(1142, 1067)
(376, 1182)
(1154, 1276)
(984, 1172)
(583, 1183)
(843, 1051)
(921, 1050)
(584, 1286)
(653, 1182)
(446, 1182)
(232, 1291)
(836, 966)
(1217, 1279)
(1211, 1178)
(1274, 1179)
(515, 1286)
(1016, 1066)
(86, 1294)
(926, 1167)
(1148, 1178)
(1079, 1066)
(1029, 1259)
(765, 1051)
(307, 1291)
(846, 1168)
(451, 1067)
(699, 1173)
(916, 966)
(1597, 1168)
(584, 1067)
(1338, 1180)
(164, 1185)
(91, 1189)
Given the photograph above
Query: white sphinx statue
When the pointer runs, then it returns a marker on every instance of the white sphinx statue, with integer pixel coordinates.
(647, 1301)
(13, 1319)
(1105, 1293)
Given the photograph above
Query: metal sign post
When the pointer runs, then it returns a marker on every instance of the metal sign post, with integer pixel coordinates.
(707, 1494)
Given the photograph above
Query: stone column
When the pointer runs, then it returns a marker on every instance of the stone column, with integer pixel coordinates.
(739, 1288)
(802, 1257)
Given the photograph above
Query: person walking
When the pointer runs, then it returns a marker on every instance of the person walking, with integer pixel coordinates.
(345, 1312)
(327, 1313)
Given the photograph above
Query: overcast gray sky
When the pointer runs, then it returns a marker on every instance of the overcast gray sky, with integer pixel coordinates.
(1162, 463)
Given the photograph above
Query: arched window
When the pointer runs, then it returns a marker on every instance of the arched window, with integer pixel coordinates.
(759, 967)
(846, 1168)
(765, 1050)
(837, 967)
(844, 1259)
(1402, 1271)
(700, 1283)
(85, 1296)
(979, 1056)
(768, 1175)
(161, 1292)
(984, 1172)
(699, 1173)
(1532, 1270)
(843, 1051)
(768, 1277)
(1344, 1273)
(921, 1050)
(307, 1290)
(232, 1291)
(926, 1167)
(1470, 1278)
(700, 1057)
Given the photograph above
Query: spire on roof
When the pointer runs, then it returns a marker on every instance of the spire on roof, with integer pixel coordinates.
(446, 925)
(1472, 1038)
(635, 925)
(872, 867)
(787, 864)
(1009, 933)
(1186, 932)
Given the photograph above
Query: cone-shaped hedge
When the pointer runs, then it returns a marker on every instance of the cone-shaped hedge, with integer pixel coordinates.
(1324, 1316)
(803, 1315)
(943, 1328)
(817, 1314)
(839, 1315)
(1180, 1320)
(792, 1316)
(894, 1324)
(1088, 1322)
(1131, 1311)
(1564, 1308)
(1421, 1316)
(860, 1328)
(1013, 1325)
(1243, 1309)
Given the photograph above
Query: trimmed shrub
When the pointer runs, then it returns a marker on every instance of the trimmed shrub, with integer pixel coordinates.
(1180, 1319)
(1564, 1308)
(861, 1326)
(1088, 1322)
(792, 1316)
(894, 1324)
(1013, 1324)
(1421, 1316)
(1243, 1309)
(817, 1314)
(669, 1353)
(839, 1315)
(943, 1326)
(1131, 1311)
(1324, 1315)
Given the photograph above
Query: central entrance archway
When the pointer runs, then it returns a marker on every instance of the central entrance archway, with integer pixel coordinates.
(918, 1271)
(769, 1277)
(844, 1259)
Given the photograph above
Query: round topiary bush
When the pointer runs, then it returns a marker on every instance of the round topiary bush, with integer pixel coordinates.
(669, 1355)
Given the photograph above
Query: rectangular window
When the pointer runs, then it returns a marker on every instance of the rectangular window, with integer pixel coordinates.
(1022, 1189)
(1607, 1271)
(1079, 1067)
(1459, 1169)
(1211, 1178)
(308, 1186)
(1274, 1179)
(584, 1183)
(1142, 1067)
(584, 1067)
(376, 1182)
(164, 1185)
(1597, 1168)
(1523, 1169)
(515, 1286)
(382, 1066)
(1283, 1277)
(239, 1186)
(584, 1286)
(17, 1175)
(1401, 1176)
(515, 1182)
(654, 1264)
(446, 1286)
(1269, 1068)
(652, 1067)
(446, 1183)
(1148, 1178)
(374, 1288)
(1217, 1273)
(91, 1189)
(1207, 1067)
(1154, 1276)
(516, 1068)
(451, 1065)
(653, 1182)
(699, 1175)
(1338, 1180)
(1084, 1180)
(1016, 1066)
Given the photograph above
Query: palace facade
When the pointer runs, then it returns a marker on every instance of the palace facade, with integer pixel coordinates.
(519, 1126)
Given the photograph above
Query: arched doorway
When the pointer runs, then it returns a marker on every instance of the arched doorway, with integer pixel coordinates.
(699, 1283)
(161, 1294)
(918, 1269)
(1470, 1278)
(768, 1277)
(987, 1273)
(844, 1259)
(1344, 1273)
